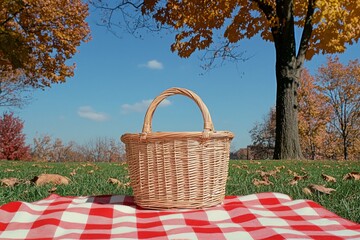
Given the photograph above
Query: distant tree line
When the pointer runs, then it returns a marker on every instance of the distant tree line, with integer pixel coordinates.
(101, 149)
(46, 149)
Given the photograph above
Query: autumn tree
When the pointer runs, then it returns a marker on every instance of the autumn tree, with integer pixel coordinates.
(38, 37)
(314, 116)
(263, 136)
(341, 86)
(12, 139)
(324, 27)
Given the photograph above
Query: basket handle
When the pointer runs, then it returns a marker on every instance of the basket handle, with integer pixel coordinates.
(208, 125)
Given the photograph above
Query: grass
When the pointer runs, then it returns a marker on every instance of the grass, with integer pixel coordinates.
(92, 179)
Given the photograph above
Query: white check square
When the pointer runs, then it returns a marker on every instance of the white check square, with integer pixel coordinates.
(306, 211)
(122, 230)
(272, 222)
(217, 215)
(24, 217)
(171, 217)
(74, 217)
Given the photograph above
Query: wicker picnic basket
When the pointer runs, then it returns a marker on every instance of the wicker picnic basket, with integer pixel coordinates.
(178, 169)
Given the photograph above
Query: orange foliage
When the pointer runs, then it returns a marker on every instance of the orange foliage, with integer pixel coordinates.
(314, 115)
(341, 85)
(329, 111)
(333, 23)
(39, 36)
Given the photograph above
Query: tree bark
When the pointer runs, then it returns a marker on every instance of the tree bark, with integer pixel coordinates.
(287, 144)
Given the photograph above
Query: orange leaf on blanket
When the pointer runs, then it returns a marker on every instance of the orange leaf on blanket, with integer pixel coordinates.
(328, 178)
(352, 175)
(321, 188)
(50, 178)
(9, 182)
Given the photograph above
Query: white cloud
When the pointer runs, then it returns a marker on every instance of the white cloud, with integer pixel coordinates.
(153, 64)
(89, 113)
(142, 106)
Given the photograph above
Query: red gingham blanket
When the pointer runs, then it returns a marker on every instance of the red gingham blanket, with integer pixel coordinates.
(257, 216)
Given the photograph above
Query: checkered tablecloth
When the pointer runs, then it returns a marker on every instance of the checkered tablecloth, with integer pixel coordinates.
(257, 216)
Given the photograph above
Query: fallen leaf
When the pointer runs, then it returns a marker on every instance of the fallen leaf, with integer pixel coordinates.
(292, 172)
(9, 182)
(307, 191)
(235, 166)
(352, 175)
(9, 170)
(293, 182)
(328, 178)
(280, 168)
(118, 182)
(73, 172)
(298, 177)
(321, 188)
(258, 182)
(52, 190)
(114, 181)
(91, 172)
(50, 178)
(270, 173)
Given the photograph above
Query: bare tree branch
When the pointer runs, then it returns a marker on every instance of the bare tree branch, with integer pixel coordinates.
(14, 92)
(225, 51)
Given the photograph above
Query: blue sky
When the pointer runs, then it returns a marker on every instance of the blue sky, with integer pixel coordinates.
(116, 78)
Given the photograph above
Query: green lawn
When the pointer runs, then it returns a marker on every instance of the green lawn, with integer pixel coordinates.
(92, 179)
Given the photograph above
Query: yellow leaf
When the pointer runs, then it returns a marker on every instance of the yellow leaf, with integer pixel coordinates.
(307, 191)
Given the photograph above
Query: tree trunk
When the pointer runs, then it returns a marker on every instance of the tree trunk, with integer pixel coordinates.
(287, 144)
(345, 148)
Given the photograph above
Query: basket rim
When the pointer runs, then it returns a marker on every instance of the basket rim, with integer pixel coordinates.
(176, 136)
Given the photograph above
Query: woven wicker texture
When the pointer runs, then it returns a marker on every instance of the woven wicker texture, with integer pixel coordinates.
(178, 169)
